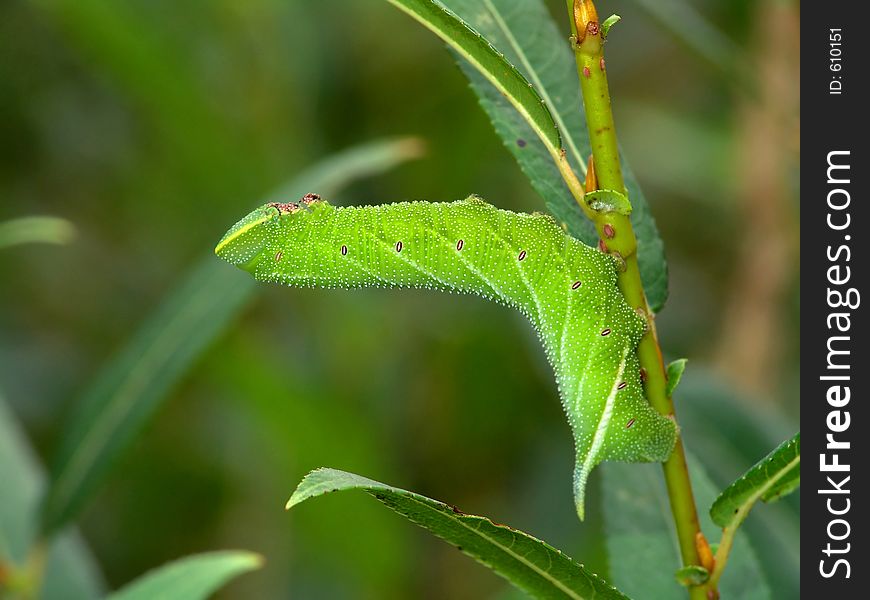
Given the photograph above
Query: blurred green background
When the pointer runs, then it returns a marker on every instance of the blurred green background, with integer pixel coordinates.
(153, 125)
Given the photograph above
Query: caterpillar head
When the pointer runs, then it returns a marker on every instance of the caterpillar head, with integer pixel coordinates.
(244, 243)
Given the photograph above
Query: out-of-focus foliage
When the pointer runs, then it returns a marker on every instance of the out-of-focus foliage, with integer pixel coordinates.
(151, 125)
(29, 230)
(70, 569)
(638, 526)
(192, 578)
(132, 386)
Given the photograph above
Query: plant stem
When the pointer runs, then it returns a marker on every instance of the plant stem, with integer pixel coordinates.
(723, 552)
(617, 235)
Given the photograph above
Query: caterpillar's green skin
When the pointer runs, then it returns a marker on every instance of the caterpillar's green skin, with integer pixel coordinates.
(525, 261)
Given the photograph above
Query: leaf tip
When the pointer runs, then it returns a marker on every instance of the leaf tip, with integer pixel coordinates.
(411, 148)
(251, 560)
(674, 373)
(608, 23)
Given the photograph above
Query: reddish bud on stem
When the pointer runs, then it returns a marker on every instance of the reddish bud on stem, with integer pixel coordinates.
(584, 15)
(591, 183)
(704, 552)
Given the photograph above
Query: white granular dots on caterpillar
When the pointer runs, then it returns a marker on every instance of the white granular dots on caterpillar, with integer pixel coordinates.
(566, 289)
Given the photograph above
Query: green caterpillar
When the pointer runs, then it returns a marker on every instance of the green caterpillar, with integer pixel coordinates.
(566, 289)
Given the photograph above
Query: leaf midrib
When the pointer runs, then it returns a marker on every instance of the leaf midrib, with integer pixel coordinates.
(745, 506)
(536, 80)
(568, 591)
(485, 72)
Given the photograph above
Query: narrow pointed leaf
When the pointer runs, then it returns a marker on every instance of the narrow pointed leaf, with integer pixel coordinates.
(675, 373)
(608, 23)
(530, 39)
(489, 63)
(638, 525)
(36, 229)
(191, 578)
(528, 563)
(132, 386)
(710, 412)
(774, 476)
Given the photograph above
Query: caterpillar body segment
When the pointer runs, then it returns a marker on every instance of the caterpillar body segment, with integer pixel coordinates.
(566, 289)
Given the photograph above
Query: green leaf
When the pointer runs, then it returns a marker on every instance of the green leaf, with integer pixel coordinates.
(528, 563)
(70, 572)
(608, 23)
(132, 386)
(609, 201)
(19, 472)
(29, 230)
(531, 40)
(489, 63)
(641, 541)
(692, 575)
(191, 578)
(675, 373)
(774, 476)
(728, 431)
(158, 75)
